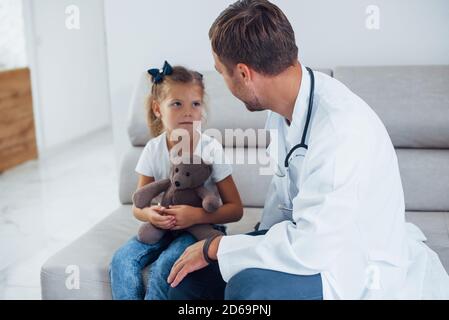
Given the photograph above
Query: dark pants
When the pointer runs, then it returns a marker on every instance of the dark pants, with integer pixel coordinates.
(249, 284)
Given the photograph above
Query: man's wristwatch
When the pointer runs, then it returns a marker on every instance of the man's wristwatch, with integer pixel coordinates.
(206, 248)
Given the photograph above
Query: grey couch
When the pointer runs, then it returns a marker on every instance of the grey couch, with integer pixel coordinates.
(413, 102)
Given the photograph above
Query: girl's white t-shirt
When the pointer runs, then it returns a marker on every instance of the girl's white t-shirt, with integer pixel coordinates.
(155, 162)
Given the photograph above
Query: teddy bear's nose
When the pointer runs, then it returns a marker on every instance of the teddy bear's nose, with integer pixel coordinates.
(177, 183)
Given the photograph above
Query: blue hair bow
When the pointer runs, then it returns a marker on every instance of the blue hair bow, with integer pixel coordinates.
(158, 74)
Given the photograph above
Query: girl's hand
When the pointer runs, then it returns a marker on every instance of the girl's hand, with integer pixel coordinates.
(160, 220)
(185, 216)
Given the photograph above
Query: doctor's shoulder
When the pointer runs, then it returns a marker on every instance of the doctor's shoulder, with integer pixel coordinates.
(338, 101)
(349, 118)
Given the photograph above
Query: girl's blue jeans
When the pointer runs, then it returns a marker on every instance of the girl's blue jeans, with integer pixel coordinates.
(125, 270)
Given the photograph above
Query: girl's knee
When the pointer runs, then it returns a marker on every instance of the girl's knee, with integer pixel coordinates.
(176, 249)
(123, 256)
(162, 266)
(119, 259)
(160, 269)
(185, 240)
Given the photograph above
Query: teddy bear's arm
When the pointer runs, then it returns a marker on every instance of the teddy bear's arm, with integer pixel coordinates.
(144, 195)
(210, 200)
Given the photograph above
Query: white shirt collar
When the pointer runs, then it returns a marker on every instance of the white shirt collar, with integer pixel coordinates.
(296, 128)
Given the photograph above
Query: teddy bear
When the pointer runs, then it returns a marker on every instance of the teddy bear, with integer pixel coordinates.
(185, 186)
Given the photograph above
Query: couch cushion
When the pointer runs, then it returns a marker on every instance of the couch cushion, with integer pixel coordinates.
(252, 190)
(93, 251)
(128, 177)
(425, 178)
(412, 101)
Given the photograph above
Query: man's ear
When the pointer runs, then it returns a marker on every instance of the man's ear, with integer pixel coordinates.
(156, 107)
(244, 72)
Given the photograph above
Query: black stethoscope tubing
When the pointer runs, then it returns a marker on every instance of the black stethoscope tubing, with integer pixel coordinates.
(303, 144)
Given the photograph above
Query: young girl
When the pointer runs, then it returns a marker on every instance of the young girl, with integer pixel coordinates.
(176, 102)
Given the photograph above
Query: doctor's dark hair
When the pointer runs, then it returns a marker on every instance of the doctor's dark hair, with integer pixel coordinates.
(159, 91)
(256, 33)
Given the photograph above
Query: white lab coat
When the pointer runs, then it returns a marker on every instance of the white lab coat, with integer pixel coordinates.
(347, 221)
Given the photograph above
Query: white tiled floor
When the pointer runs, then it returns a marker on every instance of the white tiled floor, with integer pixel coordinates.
(45, 204)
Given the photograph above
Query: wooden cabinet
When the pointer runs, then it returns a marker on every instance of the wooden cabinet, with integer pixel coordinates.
(17, 133)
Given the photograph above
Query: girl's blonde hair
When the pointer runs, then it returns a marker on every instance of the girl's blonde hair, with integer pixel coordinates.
(159, 92)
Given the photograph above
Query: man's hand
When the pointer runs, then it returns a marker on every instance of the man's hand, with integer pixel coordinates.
(184, 215)
(192, 260)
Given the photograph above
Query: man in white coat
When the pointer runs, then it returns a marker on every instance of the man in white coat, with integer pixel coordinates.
(344, 235)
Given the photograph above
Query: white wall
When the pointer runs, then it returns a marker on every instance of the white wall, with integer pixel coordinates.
(142, 33)
(331, 33)
(12, 39)
(69, 70)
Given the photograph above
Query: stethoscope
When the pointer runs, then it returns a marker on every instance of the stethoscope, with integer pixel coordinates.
(302, 144)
